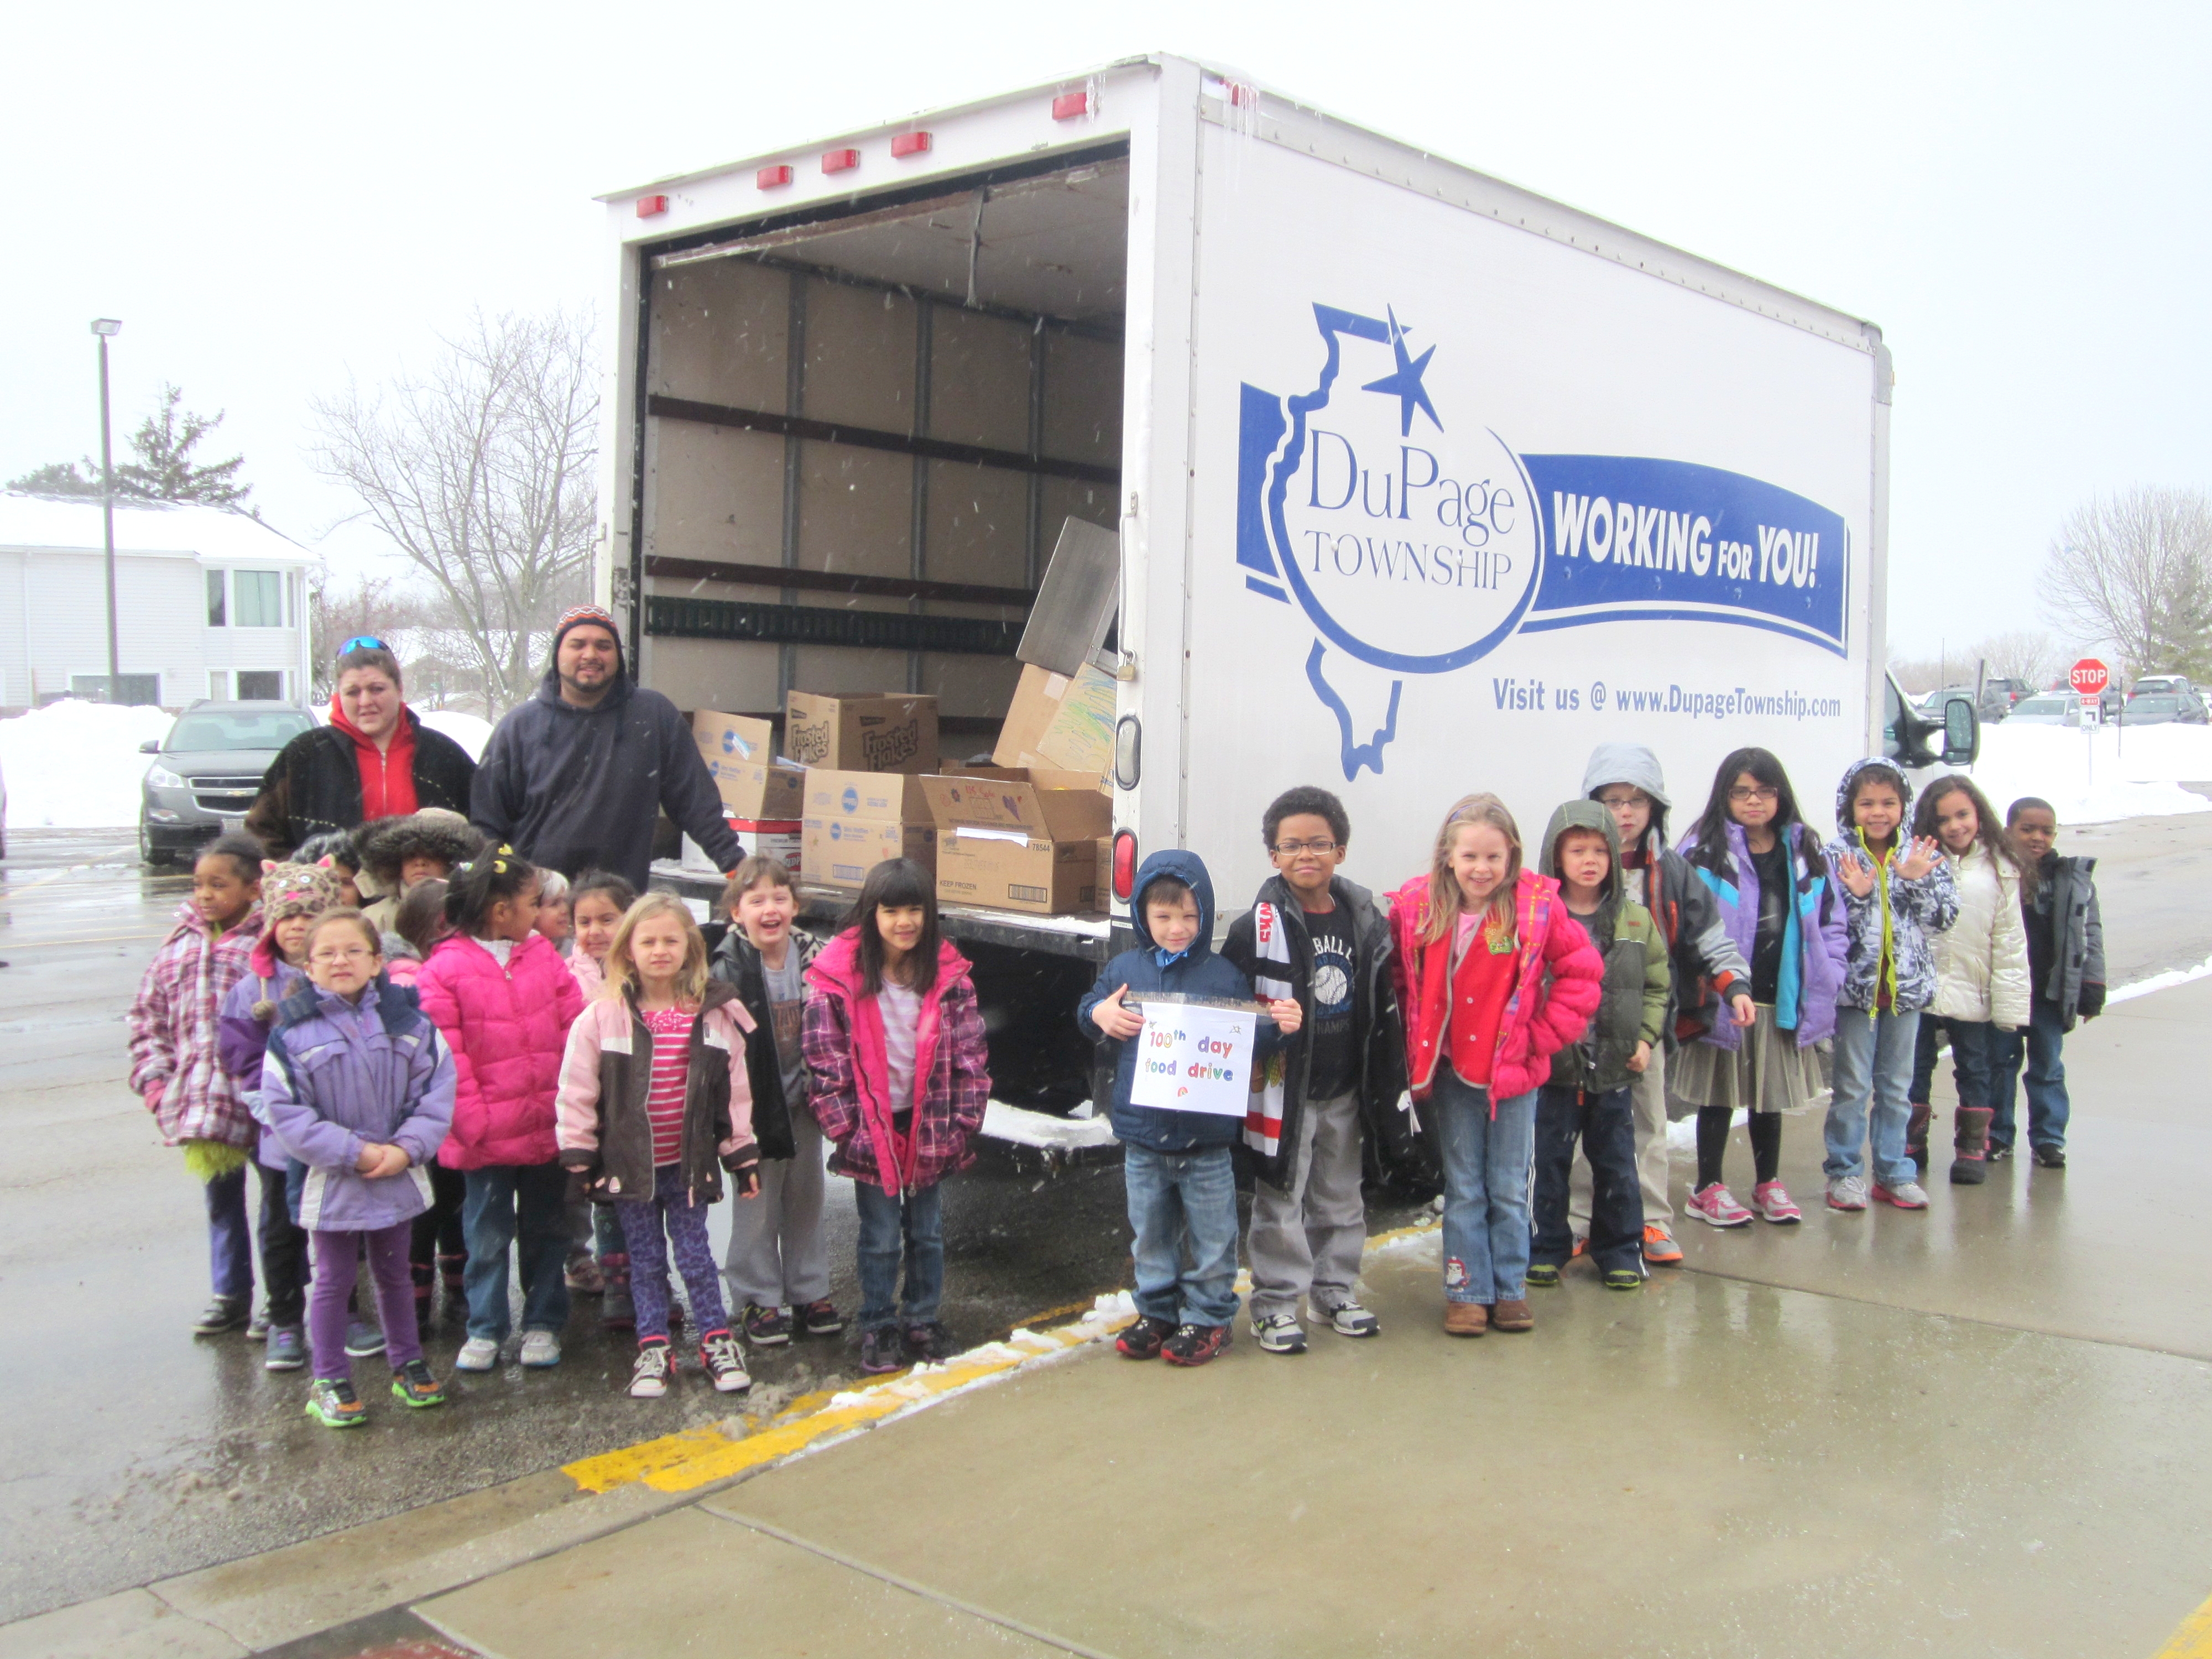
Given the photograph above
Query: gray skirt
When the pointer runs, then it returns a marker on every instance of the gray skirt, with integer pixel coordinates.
(1769, 1073)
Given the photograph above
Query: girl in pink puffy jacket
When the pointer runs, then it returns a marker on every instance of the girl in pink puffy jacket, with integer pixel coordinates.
(504, 1000)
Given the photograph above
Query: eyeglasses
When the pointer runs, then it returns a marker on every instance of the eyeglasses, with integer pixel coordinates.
(1290, 849)
(1628, 799)
(349, 953)
(362, 642)
(1757, 792)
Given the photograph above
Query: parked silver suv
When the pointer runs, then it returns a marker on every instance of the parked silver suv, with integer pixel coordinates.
(208, 771)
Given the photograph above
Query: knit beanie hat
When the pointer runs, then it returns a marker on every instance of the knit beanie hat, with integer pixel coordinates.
(296, 890)
(577, 615)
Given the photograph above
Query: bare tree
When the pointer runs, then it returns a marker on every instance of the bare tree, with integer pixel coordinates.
(374, 606)
(481, 469)
(2030, 655)
(2134, 570)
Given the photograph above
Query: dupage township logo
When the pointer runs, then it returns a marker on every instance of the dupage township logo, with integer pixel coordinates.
(1416, 540)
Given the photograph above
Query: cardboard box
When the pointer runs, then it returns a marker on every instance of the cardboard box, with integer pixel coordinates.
(871, 797)
(860, 731)
(740, 756)
(1058, 722)
(1025, 842)
(840, 852)
(775, 838)
(1105, 904)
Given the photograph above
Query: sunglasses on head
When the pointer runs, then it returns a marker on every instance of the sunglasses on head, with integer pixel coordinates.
(362, 642)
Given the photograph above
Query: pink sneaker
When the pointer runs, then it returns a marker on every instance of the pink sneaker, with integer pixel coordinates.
(1905, 1194)
(1717, 1207)
(1770, 1202)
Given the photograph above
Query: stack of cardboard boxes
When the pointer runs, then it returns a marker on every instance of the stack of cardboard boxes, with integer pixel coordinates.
(760, 797)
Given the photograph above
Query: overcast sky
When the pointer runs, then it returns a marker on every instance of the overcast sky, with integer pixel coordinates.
(275, 198)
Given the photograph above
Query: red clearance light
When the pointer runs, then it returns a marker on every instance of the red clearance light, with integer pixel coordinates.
(909, 143)
(770, 178)
(840, 160)
(1069, 105)
(649, 205)
(1125, 864)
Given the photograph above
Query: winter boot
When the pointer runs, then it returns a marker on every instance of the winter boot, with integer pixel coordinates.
(1916, 1134)
(426, 1285)
(617, 1312)
(1970, 1146)
(450, 1269)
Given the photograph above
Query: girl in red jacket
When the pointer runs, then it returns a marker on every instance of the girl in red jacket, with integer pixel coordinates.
(504, 1000)
(1493, 977)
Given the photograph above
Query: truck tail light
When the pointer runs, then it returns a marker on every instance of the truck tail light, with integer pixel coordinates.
(770, 178)
(647, 206)
(910, 144)
(1125, 864)
(1069, 105)
(840, 160)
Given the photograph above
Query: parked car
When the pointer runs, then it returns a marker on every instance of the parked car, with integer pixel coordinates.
(2013, 690)
(1994, 703)
(208, 770)
(2161, 685)
(2049, 708)
(2164, 709)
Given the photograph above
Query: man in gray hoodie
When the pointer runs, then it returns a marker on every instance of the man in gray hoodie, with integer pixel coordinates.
(1708, 970)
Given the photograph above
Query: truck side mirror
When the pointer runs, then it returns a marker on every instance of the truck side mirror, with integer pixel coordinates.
(1962, 733)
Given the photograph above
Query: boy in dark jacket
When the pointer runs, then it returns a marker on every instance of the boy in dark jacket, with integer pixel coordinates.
(1706, 971)
(1317, 940)
(1587, 1098)
(2066, 971)
(1175, 1164)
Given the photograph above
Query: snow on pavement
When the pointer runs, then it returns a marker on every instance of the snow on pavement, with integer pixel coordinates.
(75, 765)
(2114, 771)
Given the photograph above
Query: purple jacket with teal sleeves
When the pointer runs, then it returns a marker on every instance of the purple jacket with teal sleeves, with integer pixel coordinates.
(340, 1075)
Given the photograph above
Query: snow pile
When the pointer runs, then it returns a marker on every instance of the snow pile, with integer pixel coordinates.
(467, 729)
(2113, 771)
(75, 765)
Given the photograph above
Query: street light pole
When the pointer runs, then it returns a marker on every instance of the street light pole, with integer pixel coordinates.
(106, 327)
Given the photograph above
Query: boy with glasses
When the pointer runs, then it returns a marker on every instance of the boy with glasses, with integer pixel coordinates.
(1315, 939)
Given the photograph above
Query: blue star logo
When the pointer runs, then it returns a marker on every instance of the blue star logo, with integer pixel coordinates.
(1406, 384)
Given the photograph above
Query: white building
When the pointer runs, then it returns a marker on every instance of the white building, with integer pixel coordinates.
(208, 603)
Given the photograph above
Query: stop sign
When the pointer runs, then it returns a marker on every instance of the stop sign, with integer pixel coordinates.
(2089, 677)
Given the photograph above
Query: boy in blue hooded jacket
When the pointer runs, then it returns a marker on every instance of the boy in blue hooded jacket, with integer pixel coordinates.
(1175, 1165)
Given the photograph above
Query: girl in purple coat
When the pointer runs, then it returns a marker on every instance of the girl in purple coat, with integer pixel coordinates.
(358, 1086)
(1780, 906)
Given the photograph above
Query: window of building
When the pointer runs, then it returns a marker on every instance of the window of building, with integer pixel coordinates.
(217, 611)
(219, 684)
(261, 682)
(259, 596)
(137, 689)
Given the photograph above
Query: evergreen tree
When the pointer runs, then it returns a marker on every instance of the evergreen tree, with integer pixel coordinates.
(165, 470)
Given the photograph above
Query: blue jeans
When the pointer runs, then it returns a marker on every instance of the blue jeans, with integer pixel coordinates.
(1972, 1046)
(2048, 1107)
(891, 1228)
(1606, 1126)
(1872, 1071)
(505, 1201)
(1183, 1204)
(1486, 1163)
(230, 1239)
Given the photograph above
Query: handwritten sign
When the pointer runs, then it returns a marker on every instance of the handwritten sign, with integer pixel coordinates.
(1193, 1057)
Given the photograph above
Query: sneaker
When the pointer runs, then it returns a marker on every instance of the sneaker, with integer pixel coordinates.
(1582, 1244)
(1770, 1201)
(362, 1338)
(1465, 1318)
(582, 1276)
(412, 1384)
(717, 1351)
(1278, 1332)
(332, 1403)
(257, 1329)
(1716, 1206)
(287, 1349)
(928, 1342)
(1194, 1345)
(222, 1313)
(882, 1350)
(648, 1376)
(1847, 1193)
(764, 1328)
(1623, 1279)
(1512, 1317)
(2050, 1158)
(1999, 1151)
(1351, 1319)
(617, 1312)
(1905, 1194)
(1142, 1340)
(478, 1353)
(1659, 1245)
(1543, 1276)
(818, 1319)
(541, 1350)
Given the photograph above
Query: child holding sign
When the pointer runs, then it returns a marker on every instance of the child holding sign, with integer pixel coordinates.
(1182, 1188)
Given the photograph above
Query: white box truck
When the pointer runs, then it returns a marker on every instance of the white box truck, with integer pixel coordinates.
(1422, 482)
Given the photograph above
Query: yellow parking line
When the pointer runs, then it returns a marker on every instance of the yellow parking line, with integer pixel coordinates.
(2193, 1640)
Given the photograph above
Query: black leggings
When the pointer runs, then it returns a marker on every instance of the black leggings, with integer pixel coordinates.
(438, 1229)
(1712, 1144)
